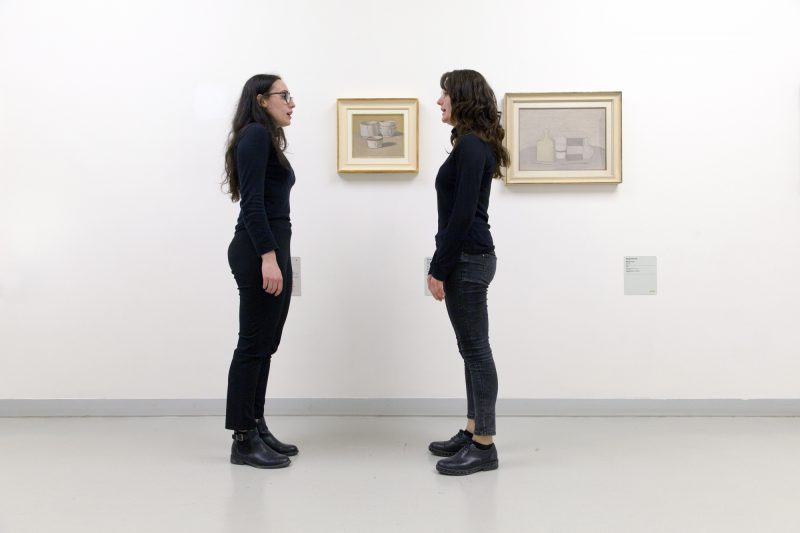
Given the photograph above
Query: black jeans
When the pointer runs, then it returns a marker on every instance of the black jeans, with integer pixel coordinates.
(465, 296)
(261, 320)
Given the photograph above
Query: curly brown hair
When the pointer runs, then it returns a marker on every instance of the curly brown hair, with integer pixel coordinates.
(474, 110)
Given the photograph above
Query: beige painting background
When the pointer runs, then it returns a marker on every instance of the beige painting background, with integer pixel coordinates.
(392, 146)
(585, 122)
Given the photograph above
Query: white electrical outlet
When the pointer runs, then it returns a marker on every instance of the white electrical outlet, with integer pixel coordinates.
(425, 277)
(296, 276)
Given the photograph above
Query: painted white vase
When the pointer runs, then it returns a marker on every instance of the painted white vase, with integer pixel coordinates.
(388, 127)
(370, 128)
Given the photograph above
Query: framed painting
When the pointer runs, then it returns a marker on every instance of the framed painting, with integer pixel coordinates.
(377, 135)
(564, 137)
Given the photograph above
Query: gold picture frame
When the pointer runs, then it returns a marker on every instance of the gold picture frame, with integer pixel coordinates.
(377, 135)
(564, 137)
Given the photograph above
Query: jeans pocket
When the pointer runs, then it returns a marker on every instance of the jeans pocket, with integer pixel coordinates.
(491, 267)
(477, 268)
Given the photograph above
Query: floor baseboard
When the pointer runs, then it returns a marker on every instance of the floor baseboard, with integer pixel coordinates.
(405, 407)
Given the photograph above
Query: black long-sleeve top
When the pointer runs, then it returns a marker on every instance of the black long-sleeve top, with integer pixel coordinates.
(264, 186)
(463, 185)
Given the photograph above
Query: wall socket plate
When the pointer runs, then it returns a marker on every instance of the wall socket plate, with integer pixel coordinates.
(425, 277)
(296, 291)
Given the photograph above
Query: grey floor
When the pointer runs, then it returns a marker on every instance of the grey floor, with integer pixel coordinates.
(374, 474)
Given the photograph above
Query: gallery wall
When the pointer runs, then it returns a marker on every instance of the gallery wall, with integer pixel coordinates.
(114, 280)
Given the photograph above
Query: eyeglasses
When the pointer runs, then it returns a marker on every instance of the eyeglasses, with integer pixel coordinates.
(287, 97)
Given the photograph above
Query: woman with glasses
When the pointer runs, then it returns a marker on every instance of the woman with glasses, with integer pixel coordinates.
(259, 176)
(464, 262)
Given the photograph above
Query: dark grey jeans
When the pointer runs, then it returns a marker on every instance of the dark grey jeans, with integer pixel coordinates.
(465, 296)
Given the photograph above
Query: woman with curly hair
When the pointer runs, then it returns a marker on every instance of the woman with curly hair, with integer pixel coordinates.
(464, 262)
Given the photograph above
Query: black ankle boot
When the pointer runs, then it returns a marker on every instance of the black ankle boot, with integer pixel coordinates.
(446, 448)
(249, 449)
(271, 441)
(468, 460)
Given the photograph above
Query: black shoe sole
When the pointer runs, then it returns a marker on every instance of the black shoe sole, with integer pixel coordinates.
(442, 453)
(456, 472)
(239, 461)
(287, 454)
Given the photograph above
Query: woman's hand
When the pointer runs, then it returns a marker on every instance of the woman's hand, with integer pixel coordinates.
(436, 287)
(272, 279)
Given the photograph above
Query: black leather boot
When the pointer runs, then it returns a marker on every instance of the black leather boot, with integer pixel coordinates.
(271, 441)
(447, 448)
(249, 449)
(468, 460)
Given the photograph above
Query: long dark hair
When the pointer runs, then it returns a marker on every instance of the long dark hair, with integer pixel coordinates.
(474, 110)
(249, 111)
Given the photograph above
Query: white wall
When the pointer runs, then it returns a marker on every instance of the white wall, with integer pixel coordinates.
(113, 232)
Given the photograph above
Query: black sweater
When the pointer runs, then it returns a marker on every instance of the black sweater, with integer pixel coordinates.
(463, 185)
(264, 185)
